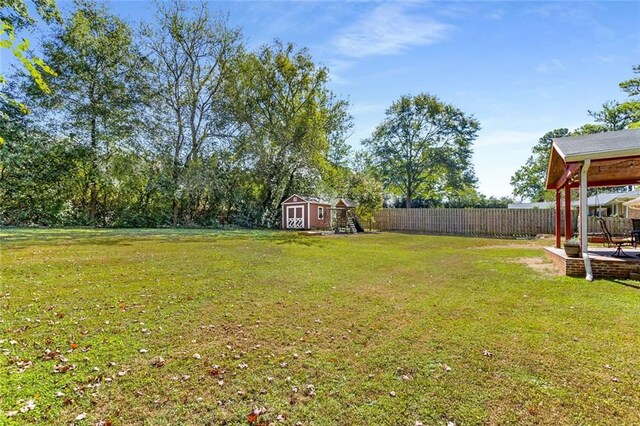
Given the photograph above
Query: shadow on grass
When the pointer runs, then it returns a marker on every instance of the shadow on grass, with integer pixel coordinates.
(299, 240)
(624, 283)
(17, 237)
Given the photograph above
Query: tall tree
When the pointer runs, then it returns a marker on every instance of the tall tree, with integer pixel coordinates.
(95, 96)
(424, 146)
(528, 180)
(616, 115)
(290, 120)
(190, 50)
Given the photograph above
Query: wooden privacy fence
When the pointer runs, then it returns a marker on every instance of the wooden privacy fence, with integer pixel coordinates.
(494, 222)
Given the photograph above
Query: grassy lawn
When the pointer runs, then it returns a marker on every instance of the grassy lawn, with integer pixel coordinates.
(201, 327)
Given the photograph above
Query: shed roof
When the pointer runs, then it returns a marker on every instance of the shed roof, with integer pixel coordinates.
(307, 199)
(347, 202)
(615, 158)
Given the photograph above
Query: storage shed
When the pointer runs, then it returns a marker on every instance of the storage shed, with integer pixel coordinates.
(306, 213)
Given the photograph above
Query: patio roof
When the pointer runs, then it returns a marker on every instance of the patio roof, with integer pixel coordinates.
(615, 159)
(597, 160)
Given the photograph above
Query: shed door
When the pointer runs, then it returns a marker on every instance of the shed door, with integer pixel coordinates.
(295, 217)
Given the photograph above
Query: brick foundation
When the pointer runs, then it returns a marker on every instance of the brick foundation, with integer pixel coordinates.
(602, 264)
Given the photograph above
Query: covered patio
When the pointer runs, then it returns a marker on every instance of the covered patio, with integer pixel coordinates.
(589, 161)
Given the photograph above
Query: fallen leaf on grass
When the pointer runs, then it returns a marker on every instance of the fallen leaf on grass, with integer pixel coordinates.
(487, 353)
(157, 362)
(215, 371)
(196, 356)
(60, 368)
(30, 405)
(50, 355)
(310, 390)
(81, 416)
(252, 417)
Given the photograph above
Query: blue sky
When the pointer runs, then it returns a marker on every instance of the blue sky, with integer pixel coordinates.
(521, 68)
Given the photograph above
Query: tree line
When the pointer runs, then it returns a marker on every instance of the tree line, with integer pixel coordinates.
(178, 123)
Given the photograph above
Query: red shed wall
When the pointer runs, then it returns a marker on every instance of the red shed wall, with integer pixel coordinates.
(314, 222)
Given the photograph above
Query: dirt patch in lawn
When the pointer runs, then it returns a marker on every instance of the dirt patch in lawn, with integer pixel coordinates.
(540, 265)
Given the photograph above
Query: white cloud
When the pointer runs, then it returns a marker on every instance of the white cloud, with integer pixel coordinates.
(389, 29)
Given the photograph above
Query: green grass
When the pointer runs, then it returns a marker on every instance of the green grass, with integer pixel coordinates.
(357, 317)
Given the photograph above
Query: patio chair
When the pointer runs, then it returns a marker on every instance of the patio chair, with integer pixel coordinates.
(635, 233)
(615, 241)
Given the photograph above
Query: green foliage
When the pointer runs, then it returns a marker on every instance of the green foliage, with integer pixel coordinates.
(617, 115)
(289, 122)
(423, 147)
(179, 126)
(366, 191)
(632, 86)
(471, 198)
(620, 115)
(96, 95)
(191, 126)
(36, 173)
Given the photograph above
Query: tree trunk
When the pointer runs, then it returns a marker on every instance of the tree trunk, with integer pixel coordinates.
(174, 208)
(409, 199)
(93, 197)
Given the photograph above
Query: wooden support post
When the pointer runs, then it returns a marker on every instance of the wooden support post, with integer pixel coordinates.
(558, 219)
(567, 213)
